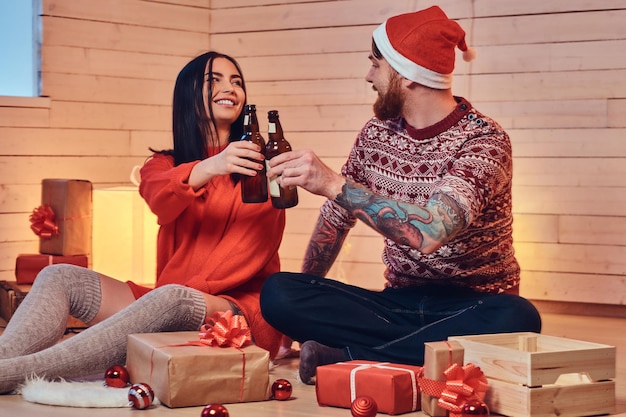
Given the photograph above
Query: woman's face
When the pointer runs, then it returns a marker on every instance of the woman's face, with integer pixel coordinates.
(227, 94)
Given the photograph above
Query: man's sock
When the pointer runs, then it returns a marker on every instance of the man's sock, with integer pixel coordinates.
(312, 355)
(40, 320)
(93, 351)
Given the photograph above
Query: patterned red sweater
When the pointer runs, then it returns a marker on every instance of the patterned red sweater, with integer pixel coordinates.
(466, 156)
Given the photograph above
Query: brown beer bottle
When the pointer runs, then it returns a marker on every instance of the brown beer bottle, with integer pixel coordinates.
(253, 189)
(282, 198)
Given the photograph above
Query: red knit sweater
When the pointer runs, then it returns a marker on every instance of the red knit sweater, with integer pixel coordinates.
(211, 241)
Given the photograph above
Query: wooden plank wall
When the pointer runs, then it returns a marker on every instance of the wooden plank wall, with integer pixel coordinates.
(550, 72)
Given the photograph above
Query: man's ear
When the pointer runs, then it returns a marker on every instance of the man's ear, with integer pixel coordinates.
(408, 84)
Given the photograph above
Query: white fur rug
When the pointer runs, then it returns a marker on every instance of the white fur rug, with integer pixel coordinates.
(93, 394)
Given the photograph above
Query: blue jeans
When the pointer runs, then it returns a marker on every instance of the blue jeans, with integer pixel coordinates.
(390, 325)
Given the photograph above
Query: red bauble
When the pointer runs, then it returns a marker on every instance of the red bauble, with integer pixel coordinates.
(214, 410)
(475, 408)
(140, 395)
(281, 389)
(364, 406)
(116, 377)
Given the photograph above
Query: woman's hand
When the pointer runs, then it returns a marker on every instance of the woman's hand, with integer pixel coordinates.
(241, 157)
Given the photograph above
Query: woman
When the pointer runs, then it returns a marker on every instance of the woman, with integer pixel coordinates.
(213, 251)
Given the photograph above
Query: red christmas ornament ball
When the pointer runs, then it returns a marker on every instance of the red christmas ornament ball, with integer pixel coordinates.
(364, 406)
(281, 389)
(116, 377)
(140, 395)
(214, 410)
(474, 408)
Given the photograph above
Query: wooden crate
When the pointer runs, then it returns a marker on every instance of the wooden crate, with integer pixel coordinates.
(535, 375)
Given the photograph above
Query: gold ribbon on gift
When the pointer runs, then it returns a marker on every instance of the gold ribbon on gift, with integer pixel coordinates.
(42, 222)
(462, 384)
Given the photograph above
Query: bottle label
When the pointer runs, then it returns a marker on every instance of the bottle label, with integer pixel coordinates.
(274, 187)
(271, 128)
(246, 118)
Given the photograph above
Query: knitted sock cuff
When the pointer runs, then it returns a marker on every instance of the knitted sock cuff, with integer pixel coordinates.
(85, 295)
(198, 311)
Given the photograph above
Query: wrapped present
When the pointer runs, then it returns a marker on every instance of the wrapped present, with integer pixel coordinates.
(438, 356)
(27, 266)
(185, 371)
(63, 221)
(11, 296)
(462, 385)
(392, 386)
(124, 235)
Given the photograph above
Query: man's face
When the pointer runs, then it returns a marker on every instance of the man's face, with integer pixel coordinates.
(388, 84)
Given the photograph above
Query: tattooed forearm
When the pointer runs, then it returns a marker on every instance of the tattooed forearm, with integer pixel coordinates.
(422, 228)
(323, 248)
(448, 210)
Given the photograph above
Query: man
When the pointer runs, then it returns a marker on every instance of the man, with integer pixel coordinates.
(432, 175)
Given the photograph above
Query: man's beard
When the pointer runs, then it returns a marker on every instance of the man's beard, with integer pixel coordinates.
(389, 105)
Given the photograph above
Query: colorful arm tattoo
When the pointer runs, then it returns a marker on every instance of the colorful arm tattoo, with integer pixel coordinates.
(323, 248)
(423, 228)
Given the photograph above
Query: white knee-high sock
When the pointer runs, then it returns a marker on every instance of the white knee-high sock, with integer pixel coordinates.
(40, 321)
(167, 308)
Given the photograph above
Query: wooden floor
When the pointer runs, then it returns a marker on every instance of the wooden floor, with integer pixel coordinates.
(611, 331)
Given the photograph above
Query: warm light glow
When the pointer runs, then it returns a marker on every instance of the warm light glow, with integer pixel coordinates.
(124, 235)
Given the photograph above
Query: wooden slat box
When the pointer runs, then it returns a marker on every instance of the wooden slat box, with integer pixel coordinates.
(535, 375)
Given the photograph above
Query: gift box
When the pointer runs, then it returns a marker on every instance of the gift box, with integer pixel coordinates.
(63, 221)
(27, 266)
(124, 235)
(184, 375)
(12, 294)
(439, 356)
(392, 386)
(537, 375)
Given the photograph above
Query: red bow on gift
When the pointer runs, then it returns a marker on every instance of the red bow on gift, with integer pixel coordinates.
(224, 329)
(461, 385)
(42, 222)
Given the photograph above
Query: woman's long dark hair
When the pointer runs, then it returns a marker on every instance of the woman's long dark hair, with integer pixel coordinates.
(190, 124)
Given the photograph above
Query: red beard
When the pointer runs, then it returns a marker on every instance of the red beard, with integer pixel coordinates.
(389, 105)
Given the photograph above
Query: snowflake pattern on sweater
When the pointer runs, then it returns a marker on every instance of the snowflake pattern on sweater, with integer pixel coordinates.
(467, 156)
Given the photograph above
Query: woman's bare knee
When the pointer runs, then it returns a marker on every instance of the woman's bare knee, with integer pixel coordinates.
(116, 295)
(215, 303)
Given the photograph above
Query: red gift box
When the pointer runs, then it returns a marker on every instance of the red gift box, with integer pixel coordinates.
(392, 386)
(28, 266)
(63, 221)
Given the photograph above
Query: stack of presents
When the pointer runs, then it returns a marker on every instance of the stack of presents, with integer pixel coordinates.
(511, 374)
(63, 224)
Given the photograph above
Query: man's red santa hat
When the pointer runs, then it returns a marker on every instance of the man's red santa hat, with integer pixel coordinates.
(421, 46)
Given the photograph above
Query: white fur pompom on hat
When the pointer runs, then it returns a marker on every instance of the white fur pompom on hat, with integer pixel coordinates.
(469, 55)
(421, 46)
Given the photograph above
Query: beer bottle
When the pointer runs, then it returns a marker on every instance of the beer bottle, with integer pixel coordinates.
(282, 198)
(253, 189)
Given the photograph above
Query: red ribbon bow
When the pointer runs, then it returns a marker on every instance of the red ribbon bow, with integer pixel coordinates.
(461, 385)
(42, 222)
(224, 329)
